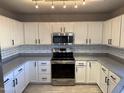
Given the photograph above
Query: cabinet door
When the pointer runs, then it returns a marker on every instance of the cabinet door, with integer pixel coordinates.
(116, 28)
(122, 33)
(57, 27)
(5, 32)
(44, 33)
(68, 27)
(20, 82)
(31, 33)
(80, 32)
(112, 85)
(95, 32)
(8, 83)
(103, 81)
(33, 71)
(93, 72)
(107, 32)
(80, 73)
(27, 75)
(19, 33)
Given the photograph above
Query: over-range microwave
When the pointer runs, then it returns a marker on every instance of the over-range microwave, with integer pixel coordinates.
(63, 38)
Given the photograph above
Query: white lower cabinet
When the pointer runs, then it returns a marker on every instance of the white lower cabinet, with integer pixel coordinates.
(104, 79)
(33, 71)
(108, 80)
(44, 71)
(8, 83)
(27, 73)
(93, 72)
(19, 79)
(80, 71)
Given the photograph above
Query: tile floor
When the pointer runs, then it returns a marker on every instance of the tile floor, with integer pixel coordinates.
(62, 89)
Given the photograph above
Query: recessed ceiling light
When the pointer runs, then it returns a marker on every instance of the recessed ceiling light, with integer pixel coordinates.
(36, 6)
(84, 2)
(52, 6)
(75, 6)
(64, 6)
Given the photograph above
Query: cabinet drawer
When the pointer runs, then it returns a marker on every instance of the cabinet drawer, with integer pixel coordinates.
(18, 70)
(44, 69)
(80, 63)
(44, 78)
(114, 77)
(8, 77)
(43, 63)
(105, 70)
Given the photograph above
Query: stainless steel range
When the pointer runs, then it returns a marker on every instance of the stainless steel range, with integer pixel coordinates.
(63, 67)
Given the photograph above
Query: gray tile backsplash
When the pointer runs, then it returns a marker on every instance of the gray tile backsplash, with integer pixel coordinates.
(76, 48)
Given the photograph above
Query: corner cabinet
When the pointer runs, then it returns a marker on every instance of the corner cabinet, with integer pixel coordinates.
(107, 32)
(116, 30)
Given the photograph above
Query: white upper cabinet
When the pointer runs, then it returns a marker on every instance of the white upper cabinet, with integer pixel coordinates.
(5, 32)
(68, 26)
(116, 28)
(62, 27)
(80, 32)
(95, 32)
(31, 32)
(11, 33)
(122, 33)
(44, 33)
(107, 32)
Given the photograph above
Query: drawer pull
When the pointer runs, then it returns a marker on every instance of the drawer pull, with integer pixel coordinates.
(6, 80)
(13, 83)
(16, 81)
(44, 78)
(103, 70)
(43, 63)
(20, 70)
(44, 69)
(113, 78)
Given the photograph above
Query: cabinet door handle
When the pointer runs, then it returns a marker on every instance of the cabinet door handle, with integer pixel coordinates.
(113, 78)
(103, 70)
(6, 80)
(39, 41)
(16, 81)
(86, 41)
(35, 64)
(105, 79)
(35, 41)
(90, 64)
(13, 83)
(108, 41)
(61, 29)
(20, 70)
(64, 29)
(13, 43)
(89, 41)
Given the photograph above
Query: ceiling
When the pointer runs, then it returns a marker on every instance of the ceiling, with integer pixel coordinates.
(28, 7)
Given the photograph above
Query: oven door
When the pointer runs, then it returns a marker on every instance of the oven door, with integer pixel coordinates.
(63, 71)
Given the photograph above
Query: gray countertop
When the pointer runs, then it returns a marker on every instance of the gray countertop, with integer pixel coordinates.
(112, 65)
